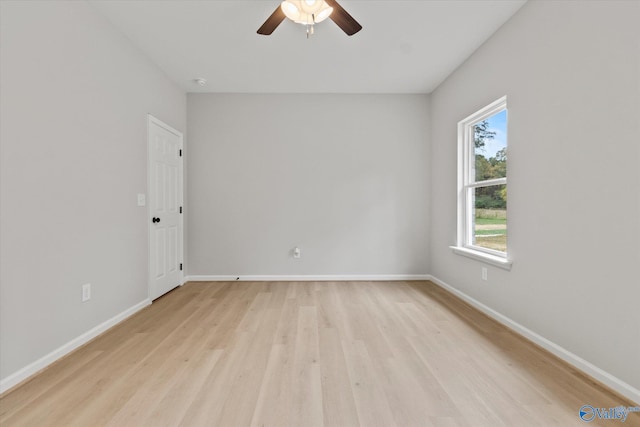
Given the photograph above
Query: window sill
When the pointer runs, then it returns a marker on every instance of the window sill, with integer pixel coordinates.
(481, 256)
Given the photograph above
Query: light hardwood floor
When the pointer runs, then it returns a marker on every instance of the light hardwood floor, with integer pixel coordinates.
(308, 354)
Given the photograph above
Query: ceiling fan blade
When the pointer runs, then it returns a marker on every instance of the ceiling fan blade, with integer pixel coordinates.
(342, 18)
(272, 22)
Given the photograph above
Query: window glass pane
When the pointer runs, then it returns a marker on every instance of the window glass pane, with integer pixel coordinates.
(490, 217)
(490, 142)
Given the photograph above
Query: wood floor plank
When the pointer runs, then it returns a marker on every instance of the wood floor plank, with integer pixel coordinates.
(308, 354)
(273, 406)
(372, 405)
(162, 362)
(49, 379)
(243, 390)
(306, 401)
(190, 362)
(337, 397)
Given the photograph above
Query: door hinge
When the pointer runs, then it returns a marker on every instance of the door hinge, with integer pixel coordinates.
(180, 209)
(180, 152)
(180, 266)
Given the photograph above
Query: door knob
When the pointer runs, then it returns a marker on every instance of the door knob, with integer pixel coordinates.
(154, 220)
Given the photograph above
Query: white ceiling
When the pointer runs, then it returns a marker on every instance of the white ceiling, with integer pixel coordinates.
(404, 46)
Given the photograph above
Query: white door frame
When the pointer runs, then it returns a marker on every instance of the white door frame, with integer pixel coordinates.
(151, 119)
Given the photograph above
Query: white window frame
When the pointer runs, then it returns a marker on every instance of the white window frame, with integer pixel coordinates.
(467, 185)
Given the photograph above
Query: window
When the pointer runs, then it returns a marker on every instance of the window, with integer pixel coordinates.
(482, 185)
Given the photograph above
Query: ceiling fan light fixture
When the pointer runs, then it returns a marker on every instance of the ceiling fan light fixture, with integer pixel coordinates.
(324, 14)
(310, 7)
(306, 12)
(290, 10)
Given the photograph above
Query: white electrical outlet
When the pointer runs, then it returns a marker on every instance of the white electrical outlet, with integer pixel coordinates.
(142, 199)
(86, 292)
(484, 273)
(296, 252)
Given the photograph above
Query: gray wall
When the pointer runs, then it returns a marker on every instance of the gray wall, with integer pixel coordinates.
(342, 176)
(75, 95)
(571, 73)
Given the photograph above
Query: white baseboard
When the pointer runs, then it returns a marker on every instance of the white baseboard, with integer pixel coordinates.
(308, 278)
(33, 368)
(604, 377)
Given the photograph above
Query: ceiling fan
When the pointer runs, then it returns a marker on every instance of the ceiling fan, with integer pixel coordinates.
(309, 13)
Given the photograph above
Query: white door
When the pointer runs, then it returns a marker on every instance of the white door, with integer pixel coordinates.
(165, 208)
